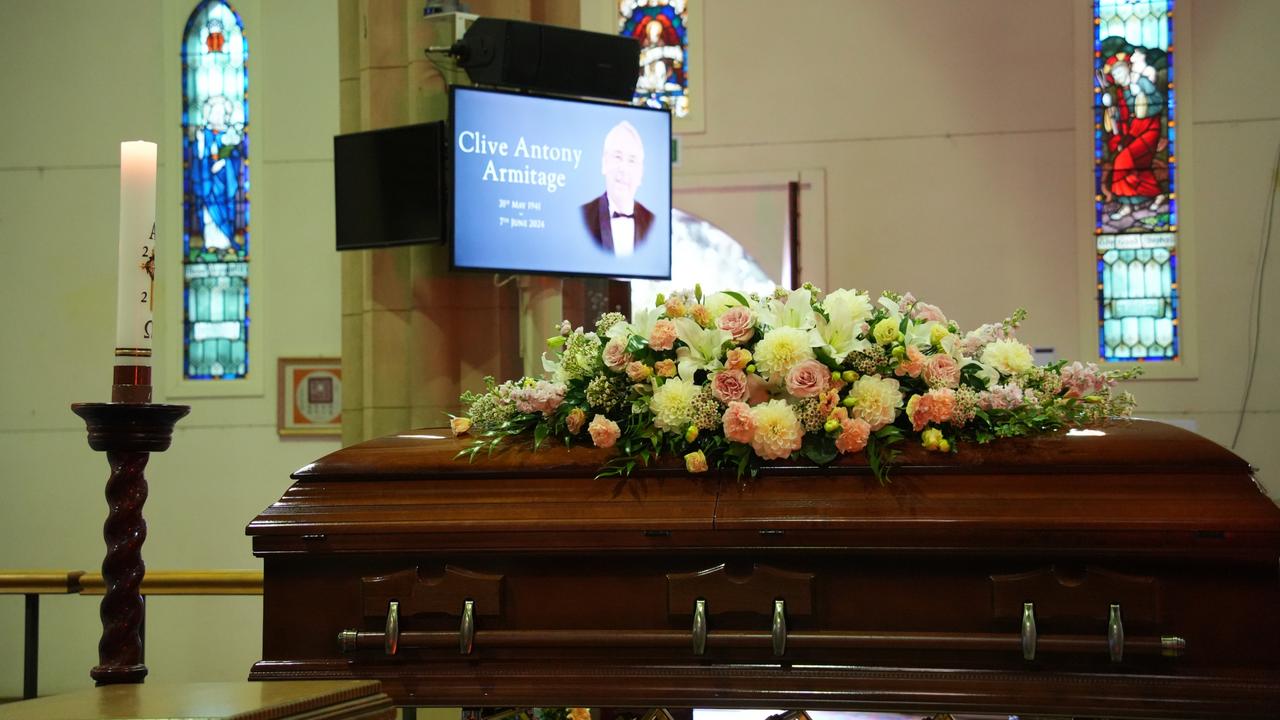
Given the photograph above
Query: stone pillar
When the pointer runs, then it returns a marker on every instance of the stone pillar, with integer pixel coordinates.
(415, 335)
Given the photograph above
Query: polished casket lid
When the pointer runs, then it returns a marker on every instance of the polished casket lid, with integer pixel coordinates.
(1123, 486)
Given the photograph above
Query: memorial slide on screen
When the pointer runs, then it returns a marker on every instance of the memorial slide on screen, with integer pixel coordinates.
(544, 185)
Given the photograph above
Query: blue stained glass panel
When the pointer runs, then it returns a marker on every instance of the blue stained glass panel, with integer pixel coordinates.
(215, 185)
(1135, 169)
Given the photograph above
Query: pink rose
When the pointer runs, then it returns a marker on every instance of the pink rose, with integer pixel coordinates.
(739, 424)
(574, 420)
(928, 313)
(808, 379)
(942, 371)
(696, 462)
(757, 389)
(663, 336)
(615, 354)
(737, 359)
(729, 385)
(604, 432)
(665, 368)
(638, 371)
(854, 433)
(912, 364)
(738, 322)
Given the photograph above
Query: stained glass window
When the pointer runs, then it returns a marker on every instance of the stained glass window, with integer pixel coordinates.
(661, 27)
(215, 194)
(1135, 168)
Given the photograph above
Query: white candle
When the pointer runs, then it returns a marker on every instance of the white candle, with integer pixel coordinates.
(136, 268)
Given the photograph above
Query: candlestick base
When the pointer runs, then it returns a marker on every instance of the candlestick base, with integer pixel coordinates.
(128, 433)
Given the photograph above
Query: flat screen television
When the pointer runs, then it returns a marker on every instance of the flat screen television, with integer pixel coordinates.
(388, 186)
(545, 185)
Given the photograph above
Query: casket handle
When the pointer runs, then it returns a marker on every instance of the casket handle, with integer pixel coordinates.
(1115, 634)
(699, 626)
(467, 632)
(1029, 631)
(779, 631)
(391, 639)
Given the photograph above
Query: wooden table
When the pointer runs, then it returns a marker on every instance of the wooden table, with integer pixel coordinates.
(314, 700)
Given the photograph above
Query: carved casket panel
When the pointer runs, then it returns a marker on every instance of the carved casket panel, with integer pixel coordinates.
(1131, 573)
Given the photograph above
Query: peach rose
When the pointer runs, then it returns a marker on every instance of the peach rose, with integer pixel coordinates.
(604, 432)
(942, 371)
(574, 420)
(696, 462)
(729, 385)
(737, 359)
(638, 371)
(739, 424)
(757, 389)
(615, 354)
(665, 368)
(738, 322)
(459, 425)
(663, 336)
(808, 379)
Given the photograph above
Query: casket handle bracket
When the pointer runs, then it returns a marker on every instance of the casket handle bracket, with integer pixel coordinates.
(779, 629)
(1029, 636)
(467, 631)
(699, 627)
(391, 639)
(1115, 634)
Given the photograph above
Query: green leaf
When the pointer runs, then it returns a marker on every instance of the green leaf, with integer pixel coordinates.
(540, 433)
(737, 296)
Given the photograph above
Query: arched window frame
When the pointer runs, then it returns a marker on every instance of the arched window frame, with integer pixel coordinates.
(1186, 366)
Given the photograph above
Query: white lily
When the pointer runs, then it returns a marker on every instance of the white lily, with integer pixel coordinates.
(703, 348)
(796, 311)
(848, 309)
(719, 302)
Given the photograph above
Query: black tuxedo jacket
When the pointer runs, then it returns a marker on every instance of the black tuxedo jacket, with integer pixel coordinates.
(596, 216)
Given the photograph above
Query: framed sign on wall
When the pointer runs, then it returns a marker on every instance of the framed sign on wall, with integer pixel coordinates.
(310, 396)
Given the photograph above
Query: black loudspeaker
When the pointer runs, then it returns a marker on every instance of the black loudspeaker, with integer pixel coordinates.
(546, 58)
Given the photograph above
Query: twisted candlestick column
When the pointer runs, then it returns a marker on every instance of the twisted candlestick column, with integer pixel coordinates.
(122, 611)
(128, 433)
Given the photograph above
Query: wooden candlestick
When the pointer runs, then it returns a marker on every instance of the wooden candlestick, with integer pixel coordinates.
(128, 433)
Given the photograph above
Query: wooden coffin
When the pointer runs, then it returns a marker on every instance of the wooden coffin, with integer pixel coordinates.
(1126, 571)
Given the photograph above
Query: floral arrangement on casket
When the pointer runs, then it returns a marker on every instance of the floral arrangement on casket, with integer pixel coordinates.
(730, 380)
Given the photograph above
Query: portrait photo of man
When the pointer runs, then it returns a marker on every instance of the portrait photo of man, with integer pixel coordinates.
(615, 220)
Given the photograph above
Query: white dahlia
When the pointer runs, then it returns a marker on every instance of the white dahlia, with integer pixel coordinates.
(876, 400)
(781, 349)
(672, 405)
(778, 430)
(1010, 357)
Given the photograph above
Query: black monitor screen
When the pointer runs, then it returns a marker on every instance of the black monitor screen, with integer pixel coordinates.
(557, 186)
(387, 186)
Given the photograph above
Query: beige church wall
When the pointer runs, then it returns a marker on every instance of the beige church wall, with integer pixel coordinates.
(947, 133)
(78, 78)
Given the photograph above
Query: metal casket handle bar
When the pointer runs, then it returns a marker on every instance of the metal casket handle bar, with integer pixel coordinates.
(391, 640)
(1115, 634)
(467, 630)
(779, 629)
(1029, 637)
(699, 626)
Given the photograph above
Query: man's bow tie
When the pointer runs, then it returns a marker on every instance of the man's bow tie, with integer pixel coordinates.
(617, 214)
